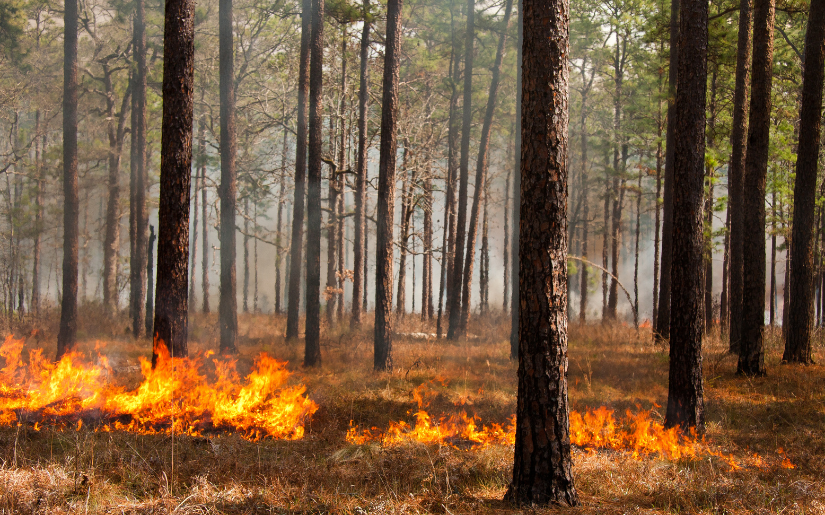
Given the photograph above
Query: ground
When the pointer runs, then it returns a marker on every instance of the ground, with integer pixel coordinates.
(762, 425)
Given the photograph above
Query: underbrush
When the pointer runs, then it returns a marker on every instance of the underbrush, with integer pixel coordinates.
(778, 417)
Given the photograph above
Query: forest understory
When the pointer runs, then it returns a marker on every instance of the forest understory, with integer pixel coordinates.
(764, 451)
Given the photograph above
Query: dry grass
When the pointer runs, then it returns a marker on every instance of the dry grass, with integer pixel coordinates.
(51, 471)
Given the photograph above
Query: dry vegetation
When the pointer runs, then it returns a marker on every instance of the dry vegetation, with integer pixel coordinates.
(54, 471)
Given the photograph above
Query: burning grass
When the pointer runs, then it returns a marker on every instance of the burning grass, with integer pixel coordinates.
(433, 436)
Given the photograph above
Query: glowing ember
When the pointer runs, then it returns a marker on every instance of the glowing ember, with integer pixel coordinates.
(175, 396)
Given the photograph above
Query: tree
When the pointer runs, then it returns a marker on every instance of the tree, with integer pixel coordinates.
(360, 174)
(66, 337)
(312, 347)
(685, 404)
(296, 249)
(800, 309)
(171, 297)
(382, 359)
(736, 173)
(751, 350)
(514, 245)
(542, 469)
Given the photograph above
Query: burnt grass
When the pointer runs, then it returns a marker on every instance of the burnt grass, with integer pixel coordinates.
(63, 470)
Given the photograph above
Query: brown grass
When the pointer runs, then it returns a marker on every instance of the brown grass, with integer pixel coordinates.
(53, 471)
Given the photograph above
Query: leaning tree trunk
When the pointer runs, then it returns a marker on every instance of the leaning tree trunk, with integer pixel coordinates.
(685, 402)
(382, 343)
(454, 329)
(312, 342)
(798, 345)
(736, 173)
(296, 247)
(662, 329)
(139, 220)
(170, 327)
(228, 303)
(481, 168)
(542, 468)
(751, 352)
(66, 337)
(359, 275)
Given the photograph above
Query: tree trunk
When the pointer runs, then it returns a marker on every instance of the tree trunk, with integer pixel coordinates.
(542, 468)
(171, 327)
(515, 245)
(484, 275)
(657, 229)
(708, 264)
(40, 186)
(340, 279)
(205, 227)
(427, 268)
(279, 248)
(246, 254)
(636, 252)
(200, 164)
(662, 329)
(406, 211)
(772, 284)
(752, 353)
(312, 343)
(139, 219)
(386, 191)
(454, 329)
(149, 308)
(332, 242)
(585, 207)
(296, 247)
(723, 300)
(736, 172)
(359, 270)
(685, 403)
(798, 345)
(482, 163)
(605, 241)
(506, 254)
(66, 337)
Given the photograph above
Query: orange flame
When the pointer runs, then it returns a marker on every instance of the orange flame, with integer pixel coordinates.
(174, 397)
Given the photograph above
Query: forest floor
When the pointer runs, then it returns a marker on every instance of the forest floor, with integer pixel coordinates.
(759, 423)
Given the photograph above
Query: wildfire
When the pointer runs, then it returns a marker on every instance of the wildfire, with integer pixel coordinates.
(174, 397)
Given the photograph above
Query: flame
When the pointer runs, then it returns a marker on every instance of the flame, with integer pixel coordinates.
(786, 463)
(174, 397)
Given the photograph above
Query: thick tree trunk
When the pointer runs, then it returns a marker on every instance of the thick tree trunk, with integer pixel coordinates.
(798, 345)
(736, 172)
(297, 245)
(312, 343)
(386, 191)
(454, 329)
(751, 352)
(359, 270)
(685, 403)
(542, 469)
(228, 303)
(139, 220)
(481, 164)
(171, 327)
(662, 329)
(66, 337)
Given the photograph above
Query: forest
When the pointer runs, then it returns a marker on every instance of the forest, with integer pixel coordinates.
(422, 256)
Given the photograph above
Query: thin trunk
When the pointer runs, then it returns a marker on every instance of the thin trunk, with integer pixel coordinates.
(752, 352)
(772, 286)
(636, 253)
(585, 279)
(359, 245)
(427, 268)
(193, 253)
(340, 279)
(657, 228)
(138, 223)
(723, 300)
(453, 165)
(506, 254)
(279, 248)
(149, 309)
(40, 186)
(170, 327)
(386, 191)
(605, 240)
(708, 265)
(515, 245)
(484, 272)
(205, 227)
(246, 254)
(406, 196)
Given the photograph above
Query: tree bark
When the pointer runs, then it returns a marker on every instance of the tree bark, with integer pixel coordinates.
(736, 172)
(296, 248)
(386, 191)
(427, 310)
(542, 468)
(406, 213)
(516, 245)
(312, 342)
(246, 254)
(205, 248)
(359, 271)
(200, 164)
(279, 250)
(170, 326)
(66, 337)
(685, 403)
(798, 345)
(138, 225)
(752, 353)
(149, 308)
(662, 329)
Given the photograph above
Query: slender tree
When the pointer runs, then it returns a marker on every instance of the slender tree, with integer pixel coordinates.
(171, 297)
(359, 275)
(515, 245)
(386, 191)
(138, 223)
(798, 345)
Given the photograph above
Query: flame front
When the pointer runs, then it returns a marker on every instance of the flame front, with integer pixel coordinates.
(173, 397)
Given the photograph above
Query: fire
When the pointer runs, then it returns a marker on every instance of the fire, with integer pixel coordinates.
(174, 397)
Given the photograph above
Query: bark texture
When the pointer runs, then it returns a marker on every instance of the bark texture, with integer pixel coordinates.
(137, 211)
(358, 275)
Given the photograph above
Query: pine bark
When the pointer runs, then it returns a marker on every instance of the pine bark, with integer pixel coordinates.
(149, 308)
(515, 245)
(386, 191)
(171, 297)
(296, 247)
(40, 186)
(427, 268)
(279, 247)
(312, 342)
(751, 352)
(685, 403)
(245, 255)
(138, 224)
(359, 271)
(205, 248)
(542, 469)
(66, 337)
(200, 164)
(798, 343)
